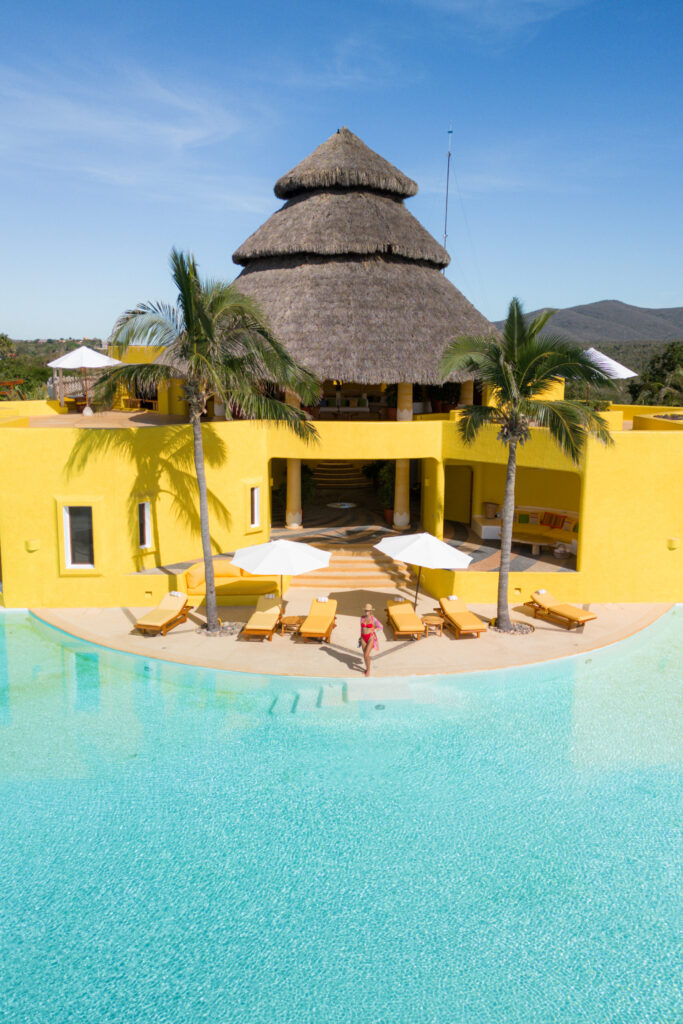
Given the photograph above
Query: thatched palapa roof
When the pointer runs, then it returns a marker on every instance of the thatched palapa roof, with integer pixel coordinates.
(349, 279)
(344, 161)
(337, 223)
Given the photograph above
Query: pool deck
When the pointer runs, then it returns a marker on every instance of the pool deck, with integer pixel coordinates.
(341, 658)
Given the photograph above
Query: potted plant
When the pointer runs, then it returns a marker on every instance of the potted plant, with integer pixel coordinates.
(391, 397)
(371, 472)
(386, 479)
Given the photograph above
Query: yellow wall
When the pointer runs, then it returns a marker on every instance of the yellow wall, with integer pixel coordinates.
(458, 487)
(37, 407)
(630, 503)
(650, 422)
(112, 470)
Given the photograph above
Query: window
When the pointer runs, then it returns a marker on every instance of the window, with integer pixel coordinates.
(78, 537)
(255, 506)
(144, 525)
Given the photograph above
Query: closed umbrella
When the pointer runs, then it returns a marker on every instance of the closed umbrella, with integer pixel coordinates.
(83, 358)
(281, 558)
(609, 366)
(425, 551)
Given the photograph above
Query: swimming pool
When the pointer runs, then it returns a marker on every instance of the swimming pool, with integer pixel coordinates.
(197, 846)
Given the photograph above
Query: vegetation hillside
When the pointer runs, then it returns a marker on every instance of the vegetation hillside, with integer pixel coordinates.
(27, 361)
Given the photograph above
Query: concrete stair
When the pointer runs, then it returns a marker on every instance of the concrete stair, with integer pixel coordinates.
(338, 475)
(329, 695)
(364, 569)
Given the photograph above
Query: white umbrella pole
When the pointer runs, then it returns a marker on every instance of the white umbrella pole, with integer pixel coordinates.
(419, 573)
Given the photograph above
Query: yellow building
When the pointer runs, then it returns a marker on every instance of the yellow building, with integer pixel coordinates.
(102, 511)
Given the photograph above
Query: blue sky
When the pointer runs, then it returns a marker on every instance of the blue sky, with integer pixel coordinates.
(127, 128)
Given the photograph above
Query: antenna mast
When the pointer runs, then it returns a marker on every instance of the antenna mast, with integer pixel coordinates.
(448, 179)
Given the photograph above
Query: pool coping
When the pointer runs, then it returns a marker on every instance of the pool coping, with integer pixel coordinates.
(657, 612)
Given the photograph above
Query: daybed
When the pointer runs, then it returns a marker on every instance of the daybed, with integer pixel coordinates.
(230, 581)
(545, 606)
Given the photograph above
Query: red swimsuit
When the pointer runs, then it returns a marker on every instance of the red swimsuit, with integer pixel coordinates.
(368, 631)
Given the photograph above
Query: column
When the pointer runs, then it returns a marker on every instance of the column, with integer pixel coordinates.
(293, 513)
(404, 411)
(438, 498)
(466, 392)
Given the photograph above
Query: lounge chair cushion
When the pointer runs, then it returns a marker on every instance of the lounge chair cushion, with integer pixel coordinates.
(320, 617)
(566, 611)
(459, 614)
(404, 616)
(266, 614)
(169, 606)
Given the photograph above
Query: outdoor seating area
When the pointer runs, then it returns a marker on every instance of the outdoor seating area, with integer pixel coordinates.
(290, 655)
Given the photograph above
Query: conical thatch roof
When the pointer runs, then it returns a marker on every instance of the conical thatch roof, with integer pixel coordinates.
(349, 279)
(344, 161)
(334, 223)
(366, 320)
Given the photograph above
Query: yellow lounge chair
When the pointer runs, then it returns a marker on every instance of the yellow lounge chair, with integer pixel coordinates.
(265, 619)
(459, 618)
(170, 612)
(320, 621)
(404, 621)
(544, 606)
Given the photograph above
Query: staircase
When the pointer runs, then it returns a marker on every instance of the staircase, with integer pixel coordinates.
(357, 569)
(338, 475)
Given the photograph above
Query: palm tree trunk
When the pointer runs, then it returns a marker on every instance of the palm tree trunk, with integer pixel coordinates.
(503, 611)
(211, 606)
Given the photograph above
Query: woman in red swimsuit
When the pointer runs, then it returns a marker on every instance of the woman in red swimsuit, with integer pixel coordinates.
(368, 635)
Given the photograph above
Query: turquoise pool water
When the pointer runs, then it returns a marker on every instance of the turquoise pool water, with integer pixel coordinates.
(194, 846)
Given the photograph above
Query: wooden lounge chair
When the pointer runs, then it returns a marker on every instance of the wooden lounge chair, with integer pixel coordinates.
(545, 606)
(404, 621)
(459, 618)
(320, 621)
(265, 619)
(170, 612)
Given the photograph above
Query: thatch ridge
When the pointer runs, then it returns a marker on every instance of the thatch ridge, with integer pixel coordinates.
(367, 319)
(344, 161)
(331, 223)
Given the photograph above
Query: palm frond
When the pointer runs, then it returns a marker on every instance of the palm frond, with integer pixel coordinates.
(463, 353)
(473, 418)
(257, 405)
(150, 323)
(144, 378)
(570, 424)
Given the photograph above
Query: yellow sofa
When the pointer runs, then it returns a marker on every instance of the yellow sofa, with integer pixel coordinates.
(231, 583)
(545, 528)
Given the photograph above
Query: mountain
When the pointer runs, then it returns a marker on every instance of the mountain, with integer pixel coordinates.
(612, 321)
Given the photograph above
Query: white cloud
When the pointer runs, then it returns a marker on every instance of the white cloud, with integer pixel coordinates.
(502, 16)
(124, 128)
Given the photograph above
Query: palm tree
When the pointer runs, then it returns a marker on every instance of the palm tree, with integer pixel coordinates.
(217, 343)
(517, 370)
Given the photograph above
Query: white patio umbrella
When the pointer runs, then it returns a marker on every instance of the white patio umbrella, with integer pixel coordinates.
(281, 558)
(424, 550)
(83, 358)
(609, 366)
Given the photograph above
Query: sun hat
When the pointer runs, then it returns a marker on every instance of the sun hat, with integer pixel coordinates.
(368, 608)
